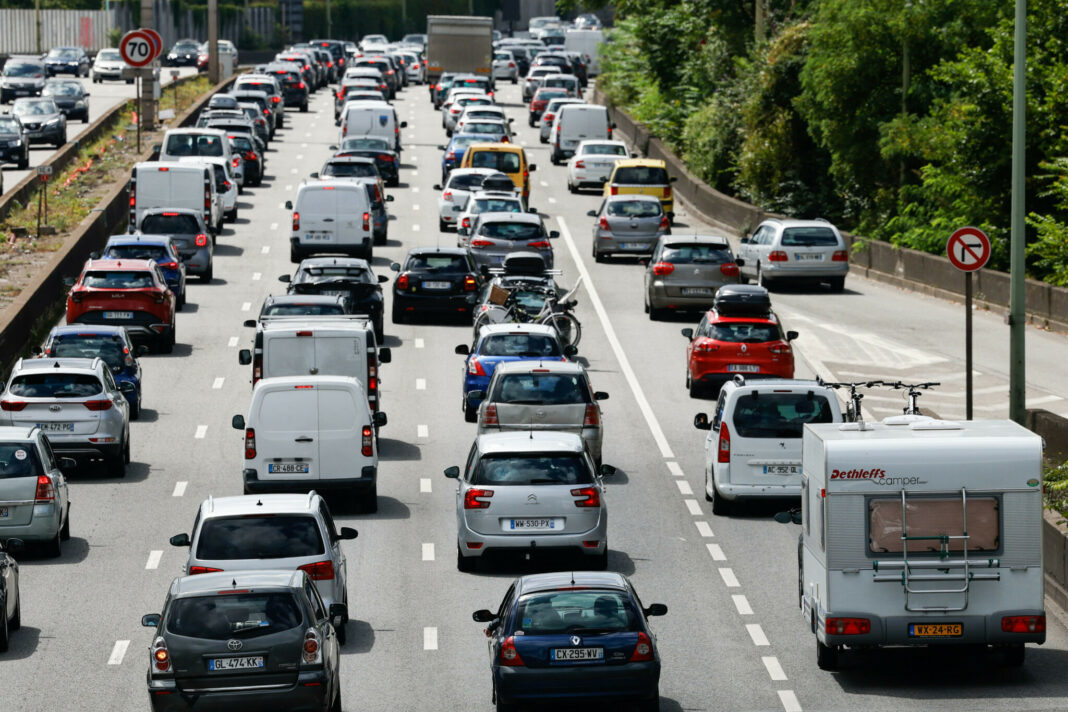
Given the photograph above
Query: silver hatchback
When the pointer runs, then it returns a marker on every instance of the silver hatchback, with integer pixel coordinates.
(34, 503)
(810, 250)
(498, 235)
(685, 272)
(628, 224)
(522, 492)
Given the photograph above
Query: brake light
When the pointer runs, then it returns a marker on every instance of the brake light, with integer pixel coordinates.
(12, 406)
(667, 192)
(301, 85)
(161, 658)
(319, 571)
(201, 240)
(402, 283)
(661, 269)
(168, 265)
(540, 245)
(592, 418)
(250, 156)
(367, 221)
(511, 65)
(724, 449)
(1023, 624)
(850, 626)
(509, 656)
(705, 347)
(548, 118)
(133, 200)
(257, 371)
(615, 190)
(665, 223)
(778, 256)
(98, 405)
(473, 498)
(590, 497)
(729, 269)
(385, 157)
(46, 492)
(643, 651)
(781, 349)
(276, 99)
(840, 256)
(470, 284)
(194, 570)
(603, 223)
(474, 367)
(447, 195)
(296, 221)
(466, 222)
(490, 416)
(478, 244)
(367, 445)
(580, 164)
(236, 162)
(250, 443)
(311, 651)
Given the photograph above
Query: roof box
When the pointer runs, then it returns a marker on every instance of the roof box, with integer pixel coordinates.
(530, 263)
(742, 300)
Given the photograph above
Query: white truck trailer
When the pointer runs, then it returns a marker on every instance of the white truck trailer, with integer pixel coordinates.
(458, 43)
(917, 531)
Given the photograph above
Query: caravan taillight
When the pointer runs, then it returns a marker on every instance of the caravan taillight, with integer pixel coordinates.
(724, 444)
(1023, 624)
(851, 626)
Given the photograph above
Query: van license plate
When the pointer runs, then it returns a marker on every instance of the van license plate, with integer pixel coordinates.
(936, 630)
(118, 315)
(577, 654)
(780, 469)
(318, 236)
(288, 468)
(56, 427)
(235, 663)
(743, 368)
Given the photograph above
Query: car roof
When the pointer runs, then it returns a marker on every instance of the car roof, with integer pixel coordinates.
(795, 222)
(528, 218)
(346, 262)
(87, 365)
(303, 299)
(553, 365)
(137, 238)
(694, 239)
(717, 318)
(497, 194)
(640, 163)
(777, 384)
(95, 329)
(351, 159)
(331, 183)
(473, 171)
(120, 265)
(437, 251)
(200, 584)
(491, 329)
(260, 504)
(279, 383)
(567, 579)
(498, 146)
(629, 197)
(535, 441)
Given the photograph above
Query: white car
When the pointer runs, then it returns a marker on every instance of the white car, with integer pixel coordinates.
(534, 78)
(545, 123)
(225, 182)
(478, 112)
(462, 182)
(504, 67)
(454, 105)
(415, 67)
(593, 162)
(109, 65)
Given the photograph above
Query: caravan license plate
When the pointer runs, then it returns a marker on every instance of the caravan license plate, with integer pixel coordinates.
(235, 663)
(577, 654)
(118, 315)
(936, 630)
(780, 469)
(743, 368)
(288, 468)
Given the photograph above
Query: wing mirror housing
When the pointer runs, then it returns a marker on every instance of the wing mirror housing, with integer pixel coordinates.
(452, 472)
(688, 333)
(382, 278)
(791, 335)
(67, 463)
(483, 616)
(338, 611)
(404, 124)
(285, 278)
(180, 540)
(553, 234)
(700, 421)
(394, 266)
(385, 354)
(475, 396)
(249, 323)
(436, 186)
(570, 350)
(237, 422)
(347, 533)
(739, 261)
(607, 470)
(151, 620)
(591, 213)
(600, 395)
(127, 387)
(289, 205)
(389, 198)
(380, 419)
(142, 350)
(244, 357)
(655, 609)
(313, 175)
(462, 349)
(532, 167)
(442, 148)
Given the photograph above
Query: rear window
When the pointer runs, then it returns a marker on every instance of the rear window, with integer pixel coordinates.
(241, 143)
(438, 263)
(809, 237)
(496, 205)
(350, 170)
(532, 469)
(193, 145)
(933, 517)
(485, 127)
(126, 279)
(601, 149)
(743, 333)
(109, 348)
(641, 175)
(528, 345)
(503, 161)
(778, 415)
(575, 612)
(302, 310)
(233, 615)
(55, 385)
(317, 201)
(541, 389)
(139, 252)
(177, 224)
(343, 274)
(466, 181)
(259, 537)
(635, 209)
(371, 142)
(690, 253)
(511, 231)
(18, 460)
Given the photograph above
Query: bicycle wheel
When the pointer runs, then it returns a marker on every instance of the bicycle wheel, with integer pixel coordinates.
(567, 326)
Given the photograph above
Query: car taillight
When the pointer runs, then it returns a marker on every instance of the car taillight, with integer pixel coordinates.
(301, 85)
(250, 156)
(104, 404)
(840, 256)
(474, 367)
(311, 651)
(236, 162)
(590, 497)
(45, 491)
(168, 265)
(12, 406)
(466, 222)
(665, 223)
(470, 284)
(367, 443)
(385, 157)
(643, 651)
(473, 498)
(161, 658)
(367, 221)
(402, 283)
(1023, 624)
(603, 223)
(490, 416)
(511, 65)
(540, 245)
(667, 192)
(580, 164)
(296, 221)
(478, 244)
(592, 417)
(614, 190)
(661, 269)
(266, 112)
(548, 118)
(276, 99)
(201, 240)
(447, 196)
(778, 256)
(781, 349)
(250, 443)
(319, 571)
(847, 626)
(729, 269)
(705, 346)
(509, 656)
(133, 200)
(76, 297)
(723, 450)
(505, 139)
(194, 570)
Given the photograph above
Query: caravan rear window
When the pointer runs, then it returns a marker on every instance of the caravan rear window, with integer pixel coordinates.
(928, 519)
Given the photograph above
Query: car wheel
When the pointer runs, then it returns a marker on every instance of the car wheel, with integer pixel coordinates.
(209, 275)
(827, 656)
(335, 706)
(135, 410)
(515, 80)
(294, 254)
(304, 108)
(398, 315)
(504, 707)
(230, 215)
(1014, 654)
(342, 638)
(380, 330)
(650, 705)
(465, 564)
(61, 141)
(64, 533)
(24, 162)
(837, 284)
(720, 507)
(761, 278)
(692, 386)
(470, 414)
(180, 302)
(53, 548)
(571, 188)
(166, 344)
(5, 634)
(370, 500)
(656, 314)
(600, 562)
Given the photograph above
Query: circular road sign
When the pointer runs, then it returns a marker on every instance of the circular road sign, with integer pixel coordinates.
(968, 249)
(156, 40)
(137, 49)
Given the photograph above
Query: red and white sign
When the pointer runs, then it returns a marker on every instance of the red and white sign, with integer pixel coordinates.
(156, 40)
(968, 249)
(137, 48)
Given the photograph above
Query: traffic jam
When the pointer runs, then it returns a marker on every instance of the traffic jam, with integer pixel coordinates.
(913, 531)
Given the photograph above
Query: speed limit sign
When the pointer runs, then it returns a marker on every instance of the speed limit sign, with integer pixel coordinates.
(137, 48)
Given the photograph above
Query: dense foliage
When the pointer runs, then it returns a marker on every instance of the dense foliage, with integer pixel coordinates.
(891, 117)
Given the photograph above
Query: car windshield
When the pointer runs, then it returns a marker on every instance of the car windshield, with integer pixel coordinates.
(8, 125)
(275, 536)
(540, 389)
(18, 460)
(348, 274)
(302, 310)
(696, 254)
(588, 611)
(125, 279)
(39, 107)
(63, 89)
(437, 263)
(778, 415)
(109, 55)
(496, 205)
(532, 469)
(55, 385)
(809, 237)
(22, 69)
(350, 170)
(744, 333)
(377, 144)
(634, 208)
(503, 161)
(189, 46)
(109, 348)
(521, 344)
(63, 53)
(138, 252)
(512, 231)
(641, 175)
(170, 224)
(194, 145)
(241, 614)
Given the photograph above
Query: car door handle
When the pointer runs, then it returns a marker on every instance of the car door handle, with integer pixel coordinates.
(328, 219)
(303, 439)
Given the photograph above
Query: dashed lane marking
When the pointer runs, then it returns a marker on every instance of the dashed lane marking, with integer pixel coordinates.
(789, 701)
(419, 343)
(428, 551)
(684, 487)
(757, 634)
(716, 552)
(430, 638)
(422, 431)
(257, 276)
(425, 485)
(118, 652)
(774, 668)
(415, 206)
(544, 184)
(552, 200)
(274, 226)
(703, 529)
(742, 604)
(300, 156)
(245, 306)
(202, 430)
(415, 173)
(265, 249)
(415, 228)
(415, 189)
(727, 574)
(694, 507)
(218, 383)
(675, 468)
(232, 342)
(153, 559)
(420, 384)
(179, 488)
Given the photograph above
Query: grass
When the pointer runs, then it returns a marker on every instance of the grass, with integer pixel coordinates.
(1055, 487)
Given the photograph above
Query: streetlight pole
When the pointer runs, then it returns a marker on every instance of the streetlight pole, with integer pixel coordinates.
(1017, 295)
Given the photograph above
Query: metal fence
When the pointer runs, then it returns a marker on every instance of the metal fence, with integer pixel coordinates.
(174, 26)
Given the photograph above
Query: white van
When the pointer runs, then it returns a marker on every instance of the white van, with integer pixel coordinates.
(587, 43)
(306, 433)
(575, 123)
(179, 143)
(225, 183)
(371, 118)
(174, 185)
(331, 217)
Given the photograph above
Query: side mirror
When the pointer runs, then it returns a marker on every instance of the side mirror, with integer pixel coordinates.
(285, 278)
(37, 351)
(745, 239)
(94, 255)
(673, 178)
(347, 533)
(180, 540)
(592, 213)
(250, 323)
(394, 266)
(688, 333)
(791, 335)
(463, 349)
(389, 198)
(532, 167)
(150, 620)
(382, 278)
(452, 472)
(237, 422)
(385, 354)
(739, 261)
(244, 357)
(332, 148)
(436, 186)
(69, 281)
(510, 119)
(404, 124)
(127, 387)
(655, 609)
(570, 350)
(289, 205)
(457, 208)
(633, 154)
(483, 616)
(532, 210)
(380, 419)
(604, 179)
(600, 395)
(67, 463)
(338, 612)
(607, 470)
(553, 234)
(442, 148)
(700, 421)
(313, 175)
(142, 350)
(473, 396)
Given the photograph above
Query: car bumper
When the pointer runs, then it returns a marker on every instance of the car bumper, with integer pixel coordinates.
(718, 376)
(637, 244)
(73, 69)
(446, 303)
(732, 491)
(108, 73)
(627, 682)
(84, 450)
(197, 261)
(894, 630)
(42, 527)
(364, 483)
(316, 248)
(530, 541)
(834, 269)
(11, 155)
(307, 695)
(45, 135)
(495, 259)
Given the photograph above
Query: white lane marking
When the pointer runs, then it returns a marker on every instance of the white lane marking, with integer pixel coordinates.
(757, 634)
(303, 145)
(414, 173)
(288, 188)
(425, 486)
(789, 701)
(265, 249)
(300, 156)
(415, 206)
(419, 343)
(118, 652)
(307, 135)
(428, 551)
(218, 383)
(617, 348)
(430, 638)
(703, 529)
(153, 559)
(422, 431)
(675, 468)
(742, 604)
(292, 170)
(694, 507)
(544, 184)
(179, 488)
(256, 276)
(415, 189)
(415, 228)
(684, 487)
(232, 342)
(716, 552)
(274, 226)
(202, 430)
(282, 205)
(420, 384)
(729, 578)
(245, 306)
(414, 158)
(552, 200)
(774, 668)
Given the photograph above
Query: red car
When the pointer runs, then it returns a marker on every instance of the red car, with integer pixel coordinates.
(129, 293)
(541, 100)
(754, 346)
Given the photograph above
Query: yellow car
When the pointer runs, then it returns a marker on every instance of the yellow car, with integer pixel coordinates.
(504, 157)
(642, 176)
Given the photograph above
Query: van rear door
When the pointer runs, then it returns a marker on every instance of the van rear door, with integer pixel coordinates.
(287, 433)
(318, 210)
(341, 355)
(342, 417)
(353, 215)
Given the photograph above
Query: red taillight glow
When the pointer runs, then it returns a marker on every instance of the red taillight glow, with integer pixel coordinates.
(592, 418)
(466, 222)
(474, 367)
(1023, 624)
(236, 162)
(310, 651)
(296, 221)
(580, 164)
(470, 284)
(202, 240)
(643, 651)
(723, 452)
(615, 190)
(402, 283)
(661, 269)
(489, 417)
(319, 571)
(367, 448)
(840, 256)
(477, 244)
(168, 265)
(98, 404)
(301, 85)
(540, 245)
(509, 656)
(12, 406)
(447, 196)
(778, 256)
(603, 223)
(161, 659)
(847, 626)
(667, 192)
(250, 443)
(665, 223)
(45, 491)
(474, 498)
(367, 221)
(590, 497)
(194, 570)
(729, 269)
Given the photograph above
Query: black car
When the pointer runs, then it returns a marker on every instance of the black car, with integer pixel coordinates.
(349, 277)
(522, 59)
(294, 88)
(70, 96)
(183, 54)
(379, 150)
(250, 152)
(304, 305)
(246, 640)
(42, 120)
(14, 144)
(67, 60)
(439, 280)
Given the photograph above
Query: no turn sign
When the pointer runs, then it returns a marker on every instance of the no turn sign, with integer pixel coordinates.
(968, 249)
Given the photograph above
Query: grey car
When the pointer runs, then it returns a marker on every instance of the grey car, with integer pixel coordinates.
(22, 76)
(810, 250)
(246, 640)
(34, 499)
(42, 119)
(684, 273)
(628, 224)
(10, 596)
(500, 234)
(528, 491)
(188, 233)
(70, 96)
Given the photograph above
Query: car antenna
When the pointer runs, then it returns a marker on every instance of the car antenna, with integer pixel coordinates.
(572, 578)
(233, 582)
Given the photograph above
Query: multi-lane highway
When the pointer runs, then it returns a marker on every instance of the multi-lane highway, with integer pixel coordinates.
(733, 638)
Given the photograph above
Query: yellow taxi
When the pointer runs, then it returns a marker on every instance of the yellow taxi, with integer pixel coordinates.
(504, 157)
(643, 176)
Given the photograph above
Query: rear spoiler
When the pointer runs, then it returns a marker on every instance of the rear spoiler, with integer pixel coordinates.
(316, 318)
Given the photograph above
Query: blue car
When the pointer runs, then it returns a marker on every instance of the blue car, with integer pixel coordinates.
(151, 247)
(578, 636)
(499, 343)
(453, 154)
(110, 343)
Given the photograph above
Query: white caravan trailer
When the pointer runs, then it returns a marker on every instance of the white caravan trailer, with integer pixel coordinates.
(917, 531)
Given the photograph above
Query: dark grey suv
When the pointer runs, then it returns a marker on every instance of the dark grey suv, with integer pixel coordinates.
(246, 640)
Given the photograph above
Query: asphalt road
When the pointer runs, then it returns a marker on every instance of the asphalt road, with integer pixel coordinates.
(102, 97)
(733, 638)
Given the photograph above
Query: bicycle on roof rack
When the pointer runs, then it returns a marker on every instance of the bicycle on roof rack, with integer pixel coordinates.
(913, 393)
(853, 412)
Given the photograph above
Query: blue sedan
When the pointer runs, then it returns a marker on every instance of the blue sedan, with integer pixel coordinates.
(453, 154)
(498, 343)
(573, 636)
(151, 247)
(110, 343)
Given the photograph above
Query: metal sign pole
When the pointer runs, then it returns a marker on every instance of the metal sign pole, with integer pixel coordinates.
(138, 113)
(968, 345)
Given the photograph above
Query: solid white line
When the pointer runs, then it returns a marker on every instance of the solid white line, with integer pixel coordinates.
(419, 343)
(742, 604)
(684, 487)
(420, 384)
(179, 488)
(675, 468)
(257, 276)
(428, 551)
(265, 250)
(425, 486)
(694, 507)
(729, 578)
(617, 348)
(153, 559)
(757, 634)
(202, 430)
(118, 652)
(232, 342)
(245, 306)
(716, 552)
(789, 701)
(274, 226)
(430, 638)
(774, 668)
(218, 383)
(703, 528)
(422, 431)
